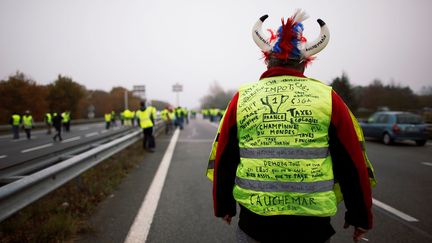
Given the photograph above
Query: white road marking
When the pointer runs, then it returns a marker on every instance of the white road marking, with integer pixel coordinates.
(84, 128)
(394, 211)
(195, 140)
(104, 131)
(116, 128)
(23, 139)
(91, 134)
(3, 156)
(214, 124)
(71, 139)
(37, 147)
(141, 226)
(427, 163)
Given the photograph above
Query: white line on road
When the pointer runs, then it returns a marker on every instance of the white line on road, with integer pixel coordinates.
(116, 128)
(104, 131)
(37, 147)
(23, 139)
(214, 124)
(84, 128)
(394, 211)
(427, 163)
(91, 134)
(3, 156)
(71, 139)
(141, 226)
(195, 140)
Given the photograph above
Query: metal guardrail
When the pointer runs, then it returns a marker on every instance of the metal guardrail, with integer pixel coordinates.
(16, 195)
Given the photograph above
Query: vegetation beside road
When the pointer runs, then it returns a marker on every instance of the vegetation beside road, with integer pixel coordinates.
(62, 214)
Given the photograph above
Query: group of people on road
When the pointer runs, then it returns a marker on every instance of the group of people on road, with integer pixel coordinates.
(213, 114)
(145, 118)
(27, 123)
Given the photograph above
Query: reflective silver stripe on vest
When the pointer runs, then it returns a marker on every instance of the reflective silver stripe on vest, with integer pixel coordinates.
(286, 153)
(279, 186)
(211, 164)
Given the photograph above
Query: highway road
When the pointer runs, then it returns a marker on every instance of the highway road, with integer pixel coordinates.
(168, 198)
(16, 151)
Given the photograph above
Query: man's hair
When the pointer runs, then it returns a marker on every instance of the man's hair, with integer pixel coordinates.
(288, 63)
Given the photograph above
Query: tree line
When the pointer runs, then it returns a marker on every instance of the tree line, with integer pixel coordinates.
(20, 93)
(362, 100)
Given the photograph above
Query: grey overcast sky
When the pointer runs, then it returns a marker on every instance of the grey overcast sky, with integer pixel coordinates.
(106, 43)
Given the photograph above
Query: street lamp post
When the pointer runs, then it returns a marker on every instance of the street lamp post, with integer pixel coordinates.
(126, 99)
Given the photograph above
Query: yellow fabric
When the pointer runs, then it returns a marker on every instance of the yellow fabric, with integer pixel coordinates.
(108, 117)
(16, 119)
(288, 113)
(144, 116)
(27, 121)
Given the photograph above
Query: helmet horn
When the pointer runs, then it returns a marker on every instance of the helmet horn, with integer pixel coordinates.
(258, 35)
(319, 44)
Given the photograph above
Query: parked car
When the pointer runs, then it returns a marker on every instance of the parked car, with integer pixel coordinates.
(392, 126)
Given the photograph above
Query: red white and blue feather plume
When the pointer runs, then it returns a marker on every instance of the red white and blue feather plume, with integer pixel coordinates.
(288, 42)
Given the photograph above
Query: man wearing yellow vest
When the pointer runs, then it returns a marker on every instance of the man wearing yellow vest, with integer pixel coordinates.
(147, 117)
(48, 122)
(166, 118)
(27, 122)
(108, 118)
(288, 149)
(15, 122)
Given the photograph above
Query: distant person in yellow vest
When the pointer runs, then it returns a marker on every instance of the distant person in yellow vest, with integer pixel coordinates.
(127, 116)
(27, 123)
(179, 117)
(57, 124)
(108, 119)
(193, 114)
(147, 117)
(186, 115)
(15, 121)
(113, 118)
(48, 122)
(167, 119)
(288, 148)
(66, 120)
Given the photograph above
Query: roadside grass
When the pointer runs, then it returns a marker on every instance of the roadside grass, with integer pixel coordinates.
(62, 214)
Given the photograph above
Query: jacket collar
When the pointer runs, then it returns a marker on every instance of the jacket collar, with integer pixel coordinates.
(281, 71)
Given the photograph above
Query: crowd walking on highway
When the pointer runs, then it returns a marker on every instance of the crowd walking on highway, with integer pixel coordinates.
(145, 118)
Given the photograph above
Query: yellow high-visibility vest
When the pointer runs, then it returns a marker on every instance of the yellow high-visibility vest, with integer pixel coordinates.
(144, 117)
(27, 121)
(16, 119)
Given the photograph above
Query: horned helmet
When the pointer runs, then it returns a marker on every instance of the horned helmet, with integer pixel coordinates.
(288, 41)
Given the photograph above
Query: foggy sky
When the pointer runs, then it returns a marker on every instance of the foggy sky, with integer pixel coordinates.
(105, 43)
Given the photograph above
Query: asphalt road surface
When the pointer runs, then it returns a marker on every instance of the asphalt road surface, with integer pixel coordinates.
(168, 197)
(13, 151)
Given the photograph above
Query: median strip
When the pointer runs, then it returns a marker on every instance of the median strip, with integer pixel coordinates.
(394, 211)
(36, 148)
